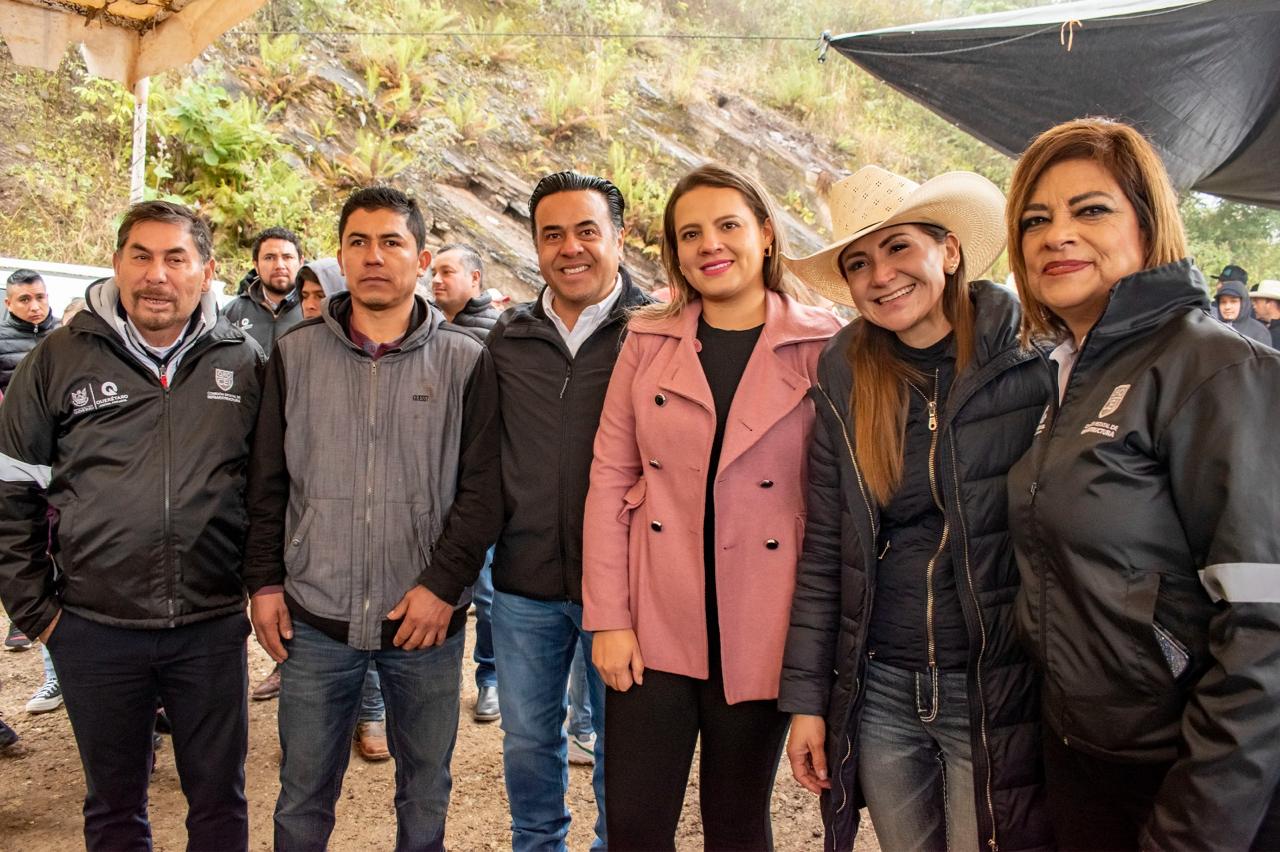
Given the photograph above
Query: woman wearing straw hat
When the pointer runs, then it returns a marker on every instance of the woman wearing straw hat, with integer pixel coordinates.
(908, 689)
(694, 520)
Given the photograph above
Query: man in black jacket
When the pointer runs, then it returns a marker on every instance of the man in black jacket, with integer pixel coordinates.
(554, 357)
(27, 320)
(269, 302)
(457, 285)
(143, 407)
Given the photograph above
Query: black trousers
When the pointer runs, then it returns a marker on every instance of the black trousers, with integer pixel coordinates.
(111, 680)
(1101, 805)
(651, 731)
(1097, 805)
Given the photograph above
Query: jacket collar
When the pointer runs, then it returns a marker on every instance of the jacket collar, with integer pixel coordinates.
(785, 322)
(770, 387)
(530, 319)
(478, 305)
(1144, 300)
(255, 294)
(46, 324)
(423, 322)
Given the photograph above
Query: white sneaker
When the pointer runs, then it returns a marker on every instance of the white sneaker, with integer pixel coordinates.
(582, 750)
(48, 697)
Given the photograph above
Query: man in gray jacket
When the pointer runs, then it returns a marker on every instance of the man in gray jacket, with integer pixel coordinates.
(373, 494)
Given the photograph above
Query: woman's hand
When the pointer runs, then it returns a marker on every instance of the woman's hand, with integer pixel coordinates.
(616, 656)
(807, 751)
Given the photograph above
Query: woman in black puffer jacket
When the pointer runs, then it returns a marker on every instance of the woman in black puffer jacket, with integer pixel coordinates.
(908, 688)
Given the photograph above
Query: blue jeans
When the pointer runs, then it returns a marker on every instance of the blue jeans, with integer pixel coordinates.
(916, 771)
(49, 673)
(580, 724)
(320, 690)
(372, 708)
(534, 642)
(482, 591)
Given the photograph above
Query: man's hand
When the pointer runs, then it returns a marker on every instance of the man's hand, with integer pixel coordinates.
(271, 623)
(48, 631)
(426, 619)
(616, 656)
(807, 751)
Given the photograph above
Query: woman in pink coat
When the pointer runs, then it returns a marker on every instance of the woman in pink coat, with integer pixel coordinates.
(695, 518)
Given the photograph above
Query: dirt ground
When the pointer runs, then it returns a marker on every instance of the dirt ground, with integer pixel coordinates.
(42, 792)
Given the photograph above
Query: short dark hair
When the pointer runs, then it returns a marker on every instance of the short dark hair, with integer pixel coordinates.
(24, 277)
(571, 181)
(276, 233)
(174, 214)
(470, 258)
(385, 198)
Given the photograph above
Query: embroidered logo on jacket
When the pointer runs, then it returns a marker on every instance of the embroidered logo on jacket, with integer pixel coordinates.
(224, 379)
(1113, 401)
(245, 324)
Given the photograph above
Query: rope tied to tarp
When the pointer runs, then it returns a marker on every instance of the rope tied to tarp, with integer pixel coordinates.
(1067, 32)
(824, 42)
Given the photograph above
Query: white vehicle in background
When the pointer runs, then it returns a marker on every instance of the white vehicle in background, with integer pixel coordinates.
(65, 281)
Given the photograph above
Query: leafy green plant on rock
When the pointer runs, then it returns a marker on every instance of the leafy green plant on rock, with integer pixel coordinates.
(216, 151)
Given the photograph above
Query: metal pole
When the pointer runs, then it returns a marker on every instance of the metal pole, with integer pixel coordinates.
(138, 165)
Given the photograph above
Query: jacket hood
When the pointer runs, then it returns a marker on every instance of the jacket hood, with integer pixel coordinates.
(426, 318)
(785, 321)
(1231, 287)
(327, 271)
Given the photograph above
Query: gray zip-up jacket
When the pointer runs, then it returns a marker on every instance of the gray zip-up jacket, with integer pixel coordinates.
(370, 476)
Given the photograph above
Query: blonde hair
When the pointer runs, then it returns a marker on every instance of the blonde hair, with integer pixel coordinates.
(878, 403)
(762, 207)
(1136, 167)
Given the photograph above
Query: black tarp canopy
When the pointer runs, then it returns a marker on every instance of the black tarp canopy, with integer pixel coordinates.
(1201, 79)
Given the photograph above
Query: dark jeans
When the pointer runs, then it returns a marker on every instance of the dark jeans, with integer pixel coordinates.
(652, 730)
(112, 679)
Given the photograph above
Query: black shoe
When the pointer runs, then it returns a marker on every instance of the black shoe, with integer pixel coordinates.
(16, 640)
(8, 736)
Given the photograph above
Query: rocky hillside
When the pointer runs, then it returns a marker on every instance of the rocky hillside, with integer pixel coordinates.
(466, 105)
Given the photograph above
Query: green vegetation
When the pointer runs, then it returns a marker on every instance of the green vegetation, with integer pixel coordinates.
(276, 129)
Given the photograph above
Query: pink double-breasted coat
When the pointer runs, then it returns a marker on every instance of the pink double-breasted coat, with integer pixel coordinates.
(643, 535)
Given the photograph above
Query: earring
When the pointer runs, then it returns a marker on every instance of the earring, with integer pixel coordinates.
(768, 250)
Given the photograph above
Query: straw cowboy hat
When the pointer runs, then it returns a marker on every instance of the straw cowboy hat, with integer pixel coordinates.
(966, 204)
(1269, 289)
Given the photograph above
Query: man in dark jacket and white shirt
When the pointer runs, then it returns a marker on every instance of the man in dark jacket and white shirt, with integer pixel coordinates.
(134, 423)
(554, 357)
(271, 302)
(27, 320)
(373, 495)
